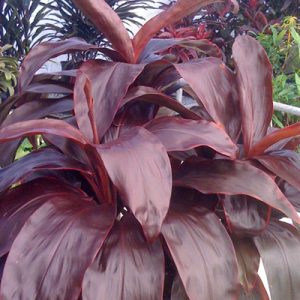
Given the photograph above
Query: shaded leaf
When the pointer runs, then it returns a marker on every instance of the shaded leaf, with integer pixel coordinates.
(127, 267)
(178, 291)
(258, 293)
(233, 178)
(202, 251)
(254, 77)
(57, 252)
(180, 134)
(279, 248)
(139, 167)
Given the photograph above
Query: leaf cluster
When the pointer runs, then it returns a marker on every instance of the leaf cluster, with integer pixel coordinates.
(135, 196)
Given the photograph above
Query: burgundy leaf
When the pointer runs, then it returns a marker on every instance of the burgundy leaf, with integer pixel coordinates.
(214, 85)
(245, 216)
(127, 267)
(33, 127)
(96, 101)
(254, 76)
(44, 159)
(108, 22)
(19, 204)
(285, 164)
(279, 247)
(174, 13)
(43, 52)
(54, 248)
(292, 194)
(258, 293)
(151, 95)
(180, 134)
(202, 252)
(139, 167)
(248, 262)
(274, 137)
(178, 291)
(234, 178)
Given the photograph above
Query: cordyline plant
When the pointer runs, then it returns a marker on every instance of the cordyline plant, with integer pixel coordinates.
(125, 202)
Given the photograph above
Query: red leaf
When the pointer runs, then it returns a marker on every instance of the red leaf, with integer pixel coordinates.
(151, 95)
(245, 216)
(108, 22)
(178, 291)
(43, 52)
(274, 137)
(254, 76)
(202, 252)
(180, 134)
(279, 247)
(217, 91)
(284, 164)
(54, 248)
(174, 13)
(234, 178)
(99, 90)
(139, 167)
(21, 202)
(33, 127)
(258, 293)
(127, 267)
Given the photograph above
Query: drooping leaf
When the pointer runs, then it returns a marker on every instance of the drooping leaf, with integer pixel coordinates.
(43, 52)
(127, 267)
(108, 22)
(214, 85)
(279, 248)
(248, 262)
(245, 216)
(258, 293)
(99, 90)
(176, 12)
(233, 178)
(178, 291)
(178, 134)
(202, 251)
(20, 203)
(284, 164)
(291, 193)
(254, 77)
(274, 137)
(47, 158)
(139, 167)
(56, 252)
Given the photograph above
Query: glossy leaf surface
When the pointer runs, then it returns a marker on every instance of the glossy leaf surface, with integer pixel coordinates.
(254, 76)
(127, 267)
(57, 252)
(233, 178)
(202, 252)
(179, 135)
(279, 247)
(139, 167)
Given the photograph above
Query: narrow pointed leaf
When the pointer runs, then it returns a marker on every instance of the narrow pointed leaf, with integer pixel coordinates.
(95, 104)
(214, 85)
(108, 22)
(57, 252)
(254, 76)
(274, 137)
(176, 12)
(279, 248)
(234, 178)
(127, 267)
(43, 52)
(202, 252)
(139, 167)
(49, 159)
(180, 134)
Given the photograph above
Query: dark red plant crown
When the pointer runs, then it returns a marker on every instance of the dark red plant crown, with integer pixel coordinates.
(132, 194)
